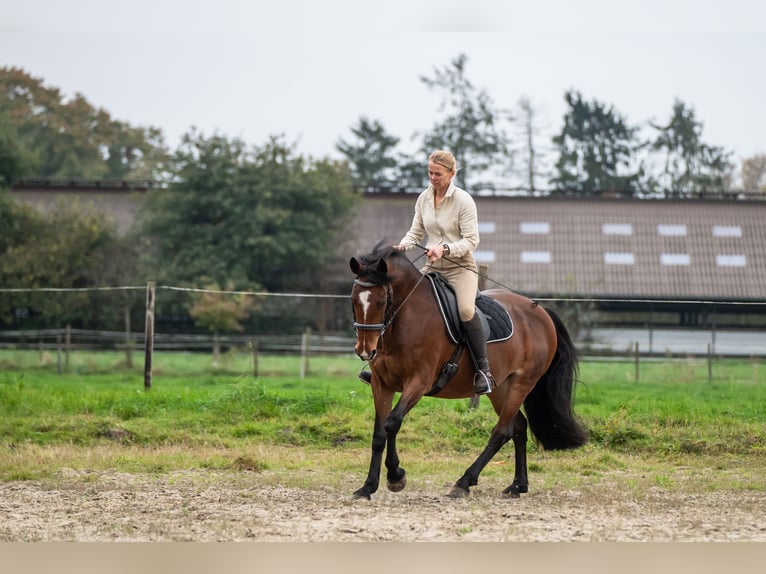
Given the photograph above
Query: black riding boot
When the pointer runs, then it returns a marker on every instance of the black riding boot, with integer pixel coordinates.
(483, 381)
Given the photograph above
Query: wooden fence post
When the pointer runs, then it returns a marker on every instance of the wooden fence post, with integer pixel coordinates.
(636, 375)
(305, 340)
(149, 335)
(254, 346)
(67, 347)
(128, 340)
(58, 353)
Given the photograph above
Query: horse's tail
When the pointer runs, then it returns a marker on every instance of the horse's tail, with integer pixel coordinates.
(549, 405)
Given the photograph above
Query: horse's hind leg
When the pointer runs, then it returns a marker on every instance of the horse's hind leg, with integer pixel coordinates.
(501, 434)
(520, 483)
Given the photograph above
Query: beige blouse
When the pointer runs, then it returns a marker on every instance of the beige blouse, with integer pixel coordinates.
(454, 222)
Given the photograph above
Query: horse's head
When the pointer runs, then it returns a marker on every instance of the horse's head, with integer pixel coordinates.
(371, 297)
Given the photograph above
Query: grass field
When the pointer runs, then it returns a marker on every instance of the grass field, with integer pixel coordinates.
(98, 416)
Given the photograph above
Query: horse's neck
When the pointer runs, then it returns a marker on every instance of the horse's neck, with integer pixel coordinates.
(411, 288)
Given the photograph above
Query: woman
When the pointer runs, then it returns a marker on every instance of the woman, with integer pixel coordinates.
(447, 214)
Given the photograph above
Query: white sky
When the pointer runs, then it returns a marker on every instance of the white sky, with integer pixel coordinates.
(309, 69)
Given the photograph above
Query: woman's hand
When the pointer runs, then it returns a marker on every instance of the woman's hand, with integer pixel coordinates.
(435, 253)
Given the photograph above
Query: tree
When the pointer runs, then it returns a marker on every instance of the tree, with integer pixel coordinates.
(596, 147)
(371, 163)
(73, 247)
(256, 218)
(60, 137)
(472, 128)
(527, 152)
(690, 167)
(220, 312)
(754, 174)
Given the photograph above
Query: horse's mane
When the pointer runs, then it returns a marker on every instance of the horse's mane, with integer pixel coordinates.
(382, 251)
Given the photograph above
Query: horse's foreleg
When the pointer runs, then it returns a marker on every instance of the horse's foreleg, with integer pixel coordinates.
(383, 401)
(376, 456)
(520, 483)
(396, 475)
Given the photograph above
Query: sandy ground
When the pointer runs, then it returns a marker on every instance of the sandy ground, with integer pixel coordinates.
(227, 506)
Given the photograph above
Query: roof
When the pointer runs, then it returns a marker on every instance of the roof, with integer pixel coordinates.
(610, 248)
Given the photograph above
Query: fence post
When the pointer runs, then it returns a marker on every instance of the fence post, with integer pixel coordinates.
(709, 363)
(58, 353)
(128, 340)
(149, 335)
(67, 346)
(254, 346)
(305, 339)
(636, 348)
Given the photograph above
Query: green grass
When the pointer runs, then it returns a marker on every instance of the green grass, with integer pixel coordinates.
(98, 416)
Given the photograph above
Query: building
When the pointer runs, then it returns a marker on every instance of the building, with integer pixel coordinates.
(691, 262)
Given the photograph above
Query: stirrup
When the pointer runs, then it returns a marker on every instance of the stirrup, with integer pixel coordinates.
(365, 377)
(483, 383)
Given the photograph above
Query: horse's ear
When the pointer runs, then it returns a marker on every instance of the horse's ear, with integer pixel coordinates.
(383, 266)
(355, 266)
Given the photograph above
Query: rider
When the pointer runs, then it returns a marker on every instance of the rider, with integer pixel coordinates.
(447, 214)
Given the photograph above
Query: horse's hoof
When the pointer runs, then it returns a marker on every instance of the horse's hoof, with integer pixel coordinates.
(458, 492)
(399, 485)
(361, 495)
(515, 491)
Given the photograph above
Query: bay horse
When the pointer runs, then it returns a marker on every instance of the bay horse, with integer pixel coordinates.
(402, 335)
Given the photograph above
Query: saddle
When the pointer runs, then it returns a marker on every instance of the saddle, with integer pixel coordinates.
(495, 320)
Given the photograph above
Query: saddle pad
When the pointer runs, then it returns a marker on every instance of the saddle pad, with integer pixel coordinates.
(500, 322)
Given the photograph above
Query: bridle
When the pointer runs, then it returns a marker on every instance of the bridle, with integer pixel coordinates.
(388, 316)
(386, 319)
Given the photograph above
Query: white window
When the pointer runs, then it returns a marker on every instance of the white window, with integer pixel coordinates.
(535, 227)
(484, 256)
(727, 231)
(617, 229)
(671, 229)
(535, 256)
(619, 259)
(487, 227)
(675, 259)
(730, 260)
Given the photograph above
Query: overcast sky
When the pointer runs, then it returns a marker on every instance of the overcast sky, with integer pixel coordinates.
(309, 69)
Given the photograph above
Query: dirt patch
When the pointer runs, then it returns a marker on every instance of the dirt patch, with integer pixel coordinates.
(234, 506)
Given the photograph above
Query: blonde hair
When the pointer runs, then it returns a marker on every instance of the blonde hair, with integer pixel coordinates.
(445, 159)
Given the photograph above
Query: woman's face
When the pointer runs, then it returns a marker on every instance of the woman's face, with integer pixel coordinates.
(439, 176)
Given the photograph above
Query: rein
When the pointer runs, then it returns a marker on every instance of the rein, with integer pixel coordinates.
(482, 275)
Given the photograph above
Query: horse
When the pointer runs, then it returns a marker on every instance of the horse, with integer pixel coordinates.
(401, 334)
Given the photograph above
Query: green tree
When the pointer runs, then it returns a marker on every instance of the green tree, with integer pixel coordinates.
(256, 218)
(59, 137)
(370, 155)
(690, 166)
(220, 311)
(472, 127)
(72, 247)
(596, 150)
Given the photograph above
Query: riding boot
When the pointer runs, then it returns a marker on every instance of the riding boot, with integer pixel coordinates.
(483, 381)
(365, 377)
